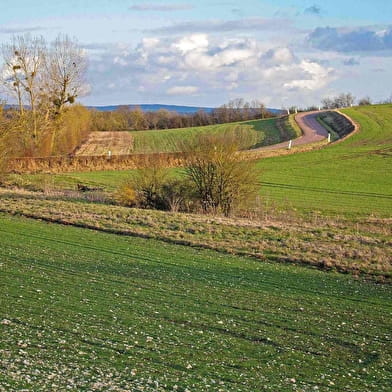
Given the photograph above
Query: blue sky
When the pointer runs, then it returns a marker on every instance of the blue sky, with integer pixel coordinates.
(283, 52)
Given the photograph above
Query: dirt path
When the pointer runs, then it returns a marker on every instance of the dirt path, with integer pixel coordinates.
(312, 130)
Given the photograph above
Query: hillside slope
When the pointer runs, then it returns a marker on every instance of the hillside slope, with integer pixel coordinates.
(83, 311)
(251, 134)
(353, 176)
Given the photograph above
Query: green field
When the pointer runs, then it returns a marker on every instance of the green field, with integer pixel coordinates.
(82, 311)
(252, 134)
(351, 177)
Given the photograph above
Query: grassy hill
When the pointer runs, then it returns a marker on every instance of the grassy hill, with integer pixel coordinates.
(249, 134)
(351, 177)
(252, 134)
(83, 310)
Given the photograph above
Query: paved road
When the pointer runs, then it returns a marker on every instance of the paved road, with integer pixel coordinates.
(312, 131)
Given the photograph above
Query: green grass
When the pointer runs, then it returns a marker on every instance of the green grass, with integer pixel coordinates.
(253, 134)
(352, 177)
(82, 310)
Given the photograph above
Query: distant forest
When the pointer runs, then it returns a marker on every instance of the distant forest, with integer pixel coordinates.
(126, 118)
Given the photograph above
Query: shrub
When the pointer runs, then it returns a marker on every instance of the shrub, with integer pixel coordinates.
(217, 180)
(126, 195)
(145, 188)
(180, 195)
(223, 181)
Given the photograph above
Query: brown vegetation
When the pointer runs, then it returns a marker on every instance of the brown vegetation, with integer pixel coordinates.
(106, 143)
(223, 180)
(359, 248)
(68, 164)
(217, 180)
(56, 136)
(153, 188)
(64, 164)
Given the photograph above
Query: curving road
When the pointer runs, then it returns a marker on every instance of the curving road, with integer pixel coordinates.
(312, 130)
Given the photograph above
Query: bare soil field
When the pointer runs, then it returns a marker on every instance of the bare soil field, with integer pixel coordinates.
(100, 143)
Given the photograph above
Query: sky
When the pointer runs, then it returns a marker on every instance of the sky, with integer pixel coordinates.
(204, 53)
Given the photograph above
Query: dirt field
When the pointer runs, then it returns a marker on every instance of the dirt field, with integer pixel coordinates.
(100, 143)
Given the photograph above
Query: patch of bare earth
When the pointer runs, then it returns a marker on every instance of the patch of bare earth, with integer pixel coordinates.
(100, 143)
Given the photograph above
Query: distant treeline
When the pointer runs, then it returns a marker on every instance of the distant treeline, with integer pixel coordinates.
(125, 118)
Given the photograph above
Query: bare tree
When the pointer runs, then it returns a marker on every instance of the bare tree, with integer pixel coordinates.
(340, 101)
(11, 75)
(65, 68)
(42, 80)
(23, 60)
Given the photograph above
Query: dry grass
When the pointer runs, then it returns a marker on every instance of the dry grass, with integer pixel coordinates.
(360, 248)
(92, 163)
(131, 161)
(100, 143)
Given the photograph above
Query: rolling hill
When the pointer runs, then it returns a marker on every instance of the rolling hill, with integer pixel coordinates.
(350, 177)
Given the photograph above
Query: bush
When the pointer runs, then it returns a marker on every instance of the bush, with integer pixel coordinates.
(223, 181)
(180, 195)
(217, 180)
(153, 188)
(126, 195)
(145, 188)
(70, 129)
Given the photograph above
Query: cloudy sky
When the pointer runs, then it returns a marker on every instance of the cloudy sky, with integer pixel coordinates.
(205, 52)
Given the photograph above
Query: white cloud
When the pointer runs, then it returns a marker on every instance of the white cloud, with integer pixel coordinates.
(282, 55)
(194, 42)
(205, 66)
(150, 42)
(182, 90)
(315, 77)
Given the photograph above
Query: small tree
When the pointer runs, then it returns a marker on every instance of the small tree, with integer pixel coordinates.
(365, 101)
(223, 181)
